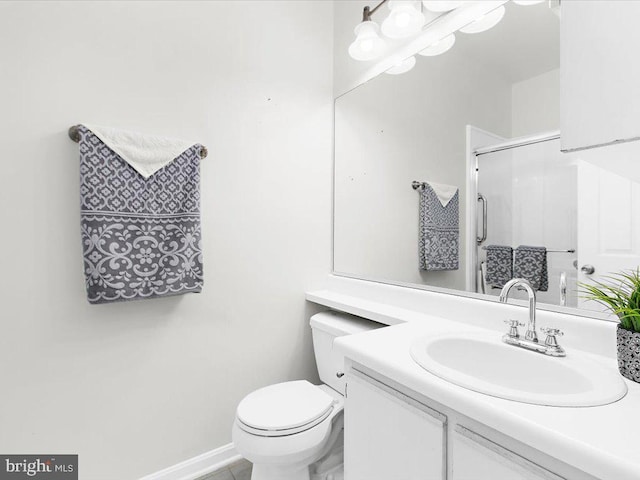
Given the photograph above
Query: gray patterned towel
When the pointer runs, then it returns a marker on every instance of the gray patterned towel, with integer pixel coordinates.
(499, 265)
(140, 237)
(439, 232)
(530, 263)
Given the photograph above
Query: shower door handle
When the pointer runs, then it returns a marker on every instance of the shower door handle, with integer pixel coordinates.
(482, 198)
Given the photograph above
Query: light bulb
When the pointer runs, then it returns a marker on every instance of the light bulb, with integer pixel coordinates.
(368, 45)
(485, 22)
(405, 19)
(441, 5)
(439, 47)
(402, 20)
(403, 66)
(527, 2)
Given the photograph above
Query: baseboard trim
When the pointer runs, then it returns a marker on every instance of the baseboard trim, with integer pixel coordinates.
(195, 467)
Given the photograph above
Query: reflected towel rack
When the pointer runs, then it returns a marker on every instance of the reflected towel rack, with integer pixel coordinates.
(417, 185)
(550, 250)
(74, 135)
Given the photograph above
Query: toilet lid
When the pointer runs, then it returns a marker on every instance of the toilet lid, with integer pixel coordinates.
(284, 406)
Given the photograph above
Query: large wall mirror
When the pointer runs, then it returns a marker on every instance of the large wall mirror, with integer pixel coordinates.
(476, 130)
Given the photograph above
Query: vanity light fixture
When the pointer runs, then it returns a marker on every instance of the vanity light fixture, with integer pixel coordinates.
(402, 66)
(368, 44)
(439, 47)
(406, 19)
(415, 27)
(442, 5)
(485, 22)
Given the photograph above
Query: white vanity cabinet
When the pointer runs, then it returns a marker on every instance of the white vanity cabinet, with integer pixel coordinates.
(392, 433)
(388, 435)
(599, 72)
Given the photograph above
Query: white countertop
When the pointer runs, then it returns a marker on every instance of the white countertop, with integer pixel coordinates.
(603, 441)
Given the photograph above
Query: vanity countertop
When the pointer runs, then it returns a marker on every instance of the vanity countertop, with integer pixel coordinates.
(602, 441)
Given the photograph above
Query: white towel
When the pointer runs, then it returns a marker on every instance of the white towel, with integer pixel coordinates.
(444, 192)
(145, 153)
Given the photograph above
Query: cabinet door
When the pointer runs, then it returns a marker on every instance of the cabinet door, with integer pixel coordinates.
(599, 72)
(477, 458)
(389, 435)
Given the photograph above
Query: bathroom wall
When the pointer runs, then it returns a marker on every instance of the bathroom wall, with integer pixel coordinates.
(135, 387)
(536, 104)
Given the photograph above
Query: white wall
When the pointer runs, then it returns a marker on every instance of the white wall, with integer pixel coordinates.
(536, 104)
(135, 387)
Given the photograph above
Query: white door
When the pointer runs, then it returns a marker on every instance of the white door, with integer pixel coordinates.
(608, 213)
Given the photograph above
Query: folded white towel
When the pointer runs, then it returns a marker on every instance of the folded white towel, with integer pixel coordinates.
(444, 192)
(145, 153)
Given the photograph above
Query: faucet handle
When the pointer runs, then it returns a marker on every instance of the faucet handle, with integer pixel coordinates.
(513, 327)
(551, 334)
(514, 323)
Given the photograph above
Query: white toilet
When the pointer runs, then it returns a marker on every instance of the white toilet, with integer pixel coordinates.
(294, 430)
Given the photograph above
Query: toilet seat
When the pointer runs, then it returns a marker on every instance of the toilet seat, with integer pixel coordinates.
(284, 409)
(289, 450)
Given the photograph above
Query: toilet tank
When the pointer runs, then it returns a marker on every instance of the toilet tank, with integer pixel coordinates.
(325, 328)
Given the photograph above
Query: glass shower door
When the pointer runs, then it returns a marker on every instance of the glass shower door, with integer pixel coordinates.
(531, 194)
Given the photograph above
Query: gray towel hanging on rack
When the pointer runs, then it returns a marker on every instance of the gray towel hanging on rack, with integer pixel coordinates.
(141, 237)
(439, 231)
(530, 263)
(499, 265)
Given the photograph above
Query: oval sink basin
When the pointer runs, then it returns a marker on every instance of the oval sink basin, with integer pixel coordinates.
(483, 363)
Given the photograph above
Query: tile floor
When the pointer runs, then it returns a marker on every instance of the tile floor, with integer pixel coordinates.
(236, 471)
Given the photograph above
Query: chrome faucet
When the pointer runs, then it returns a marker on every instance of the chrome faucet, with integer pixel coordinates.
(530, 340)
(531, 334)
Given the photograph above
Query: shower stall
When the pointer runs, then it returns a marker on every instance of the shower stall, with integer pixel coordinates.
(526, 192)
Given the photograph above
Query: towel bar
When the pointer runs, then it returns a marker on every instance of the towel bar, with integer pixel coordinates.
(74, 135)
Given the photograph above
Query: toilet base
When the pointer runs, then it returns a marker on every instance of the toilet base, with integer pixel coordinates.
(329, 467)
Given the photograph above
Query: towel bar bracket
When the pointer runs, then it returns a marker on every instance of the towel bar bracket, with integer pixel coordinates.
(74, 134)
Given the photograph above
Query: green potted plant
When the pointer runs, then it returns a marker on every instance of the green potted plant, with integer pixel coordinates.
(621, 294)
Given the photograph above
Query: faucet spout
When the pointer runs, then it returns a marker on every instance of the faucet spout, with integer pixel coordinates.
(531, 334)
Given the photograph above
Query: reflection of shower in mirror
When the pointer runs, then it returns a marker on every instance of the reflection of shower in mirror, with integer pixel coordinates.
(531, 194)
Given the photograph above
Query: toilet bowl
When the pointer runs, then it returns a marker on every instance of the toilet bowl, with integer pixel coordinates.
(293, 430)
